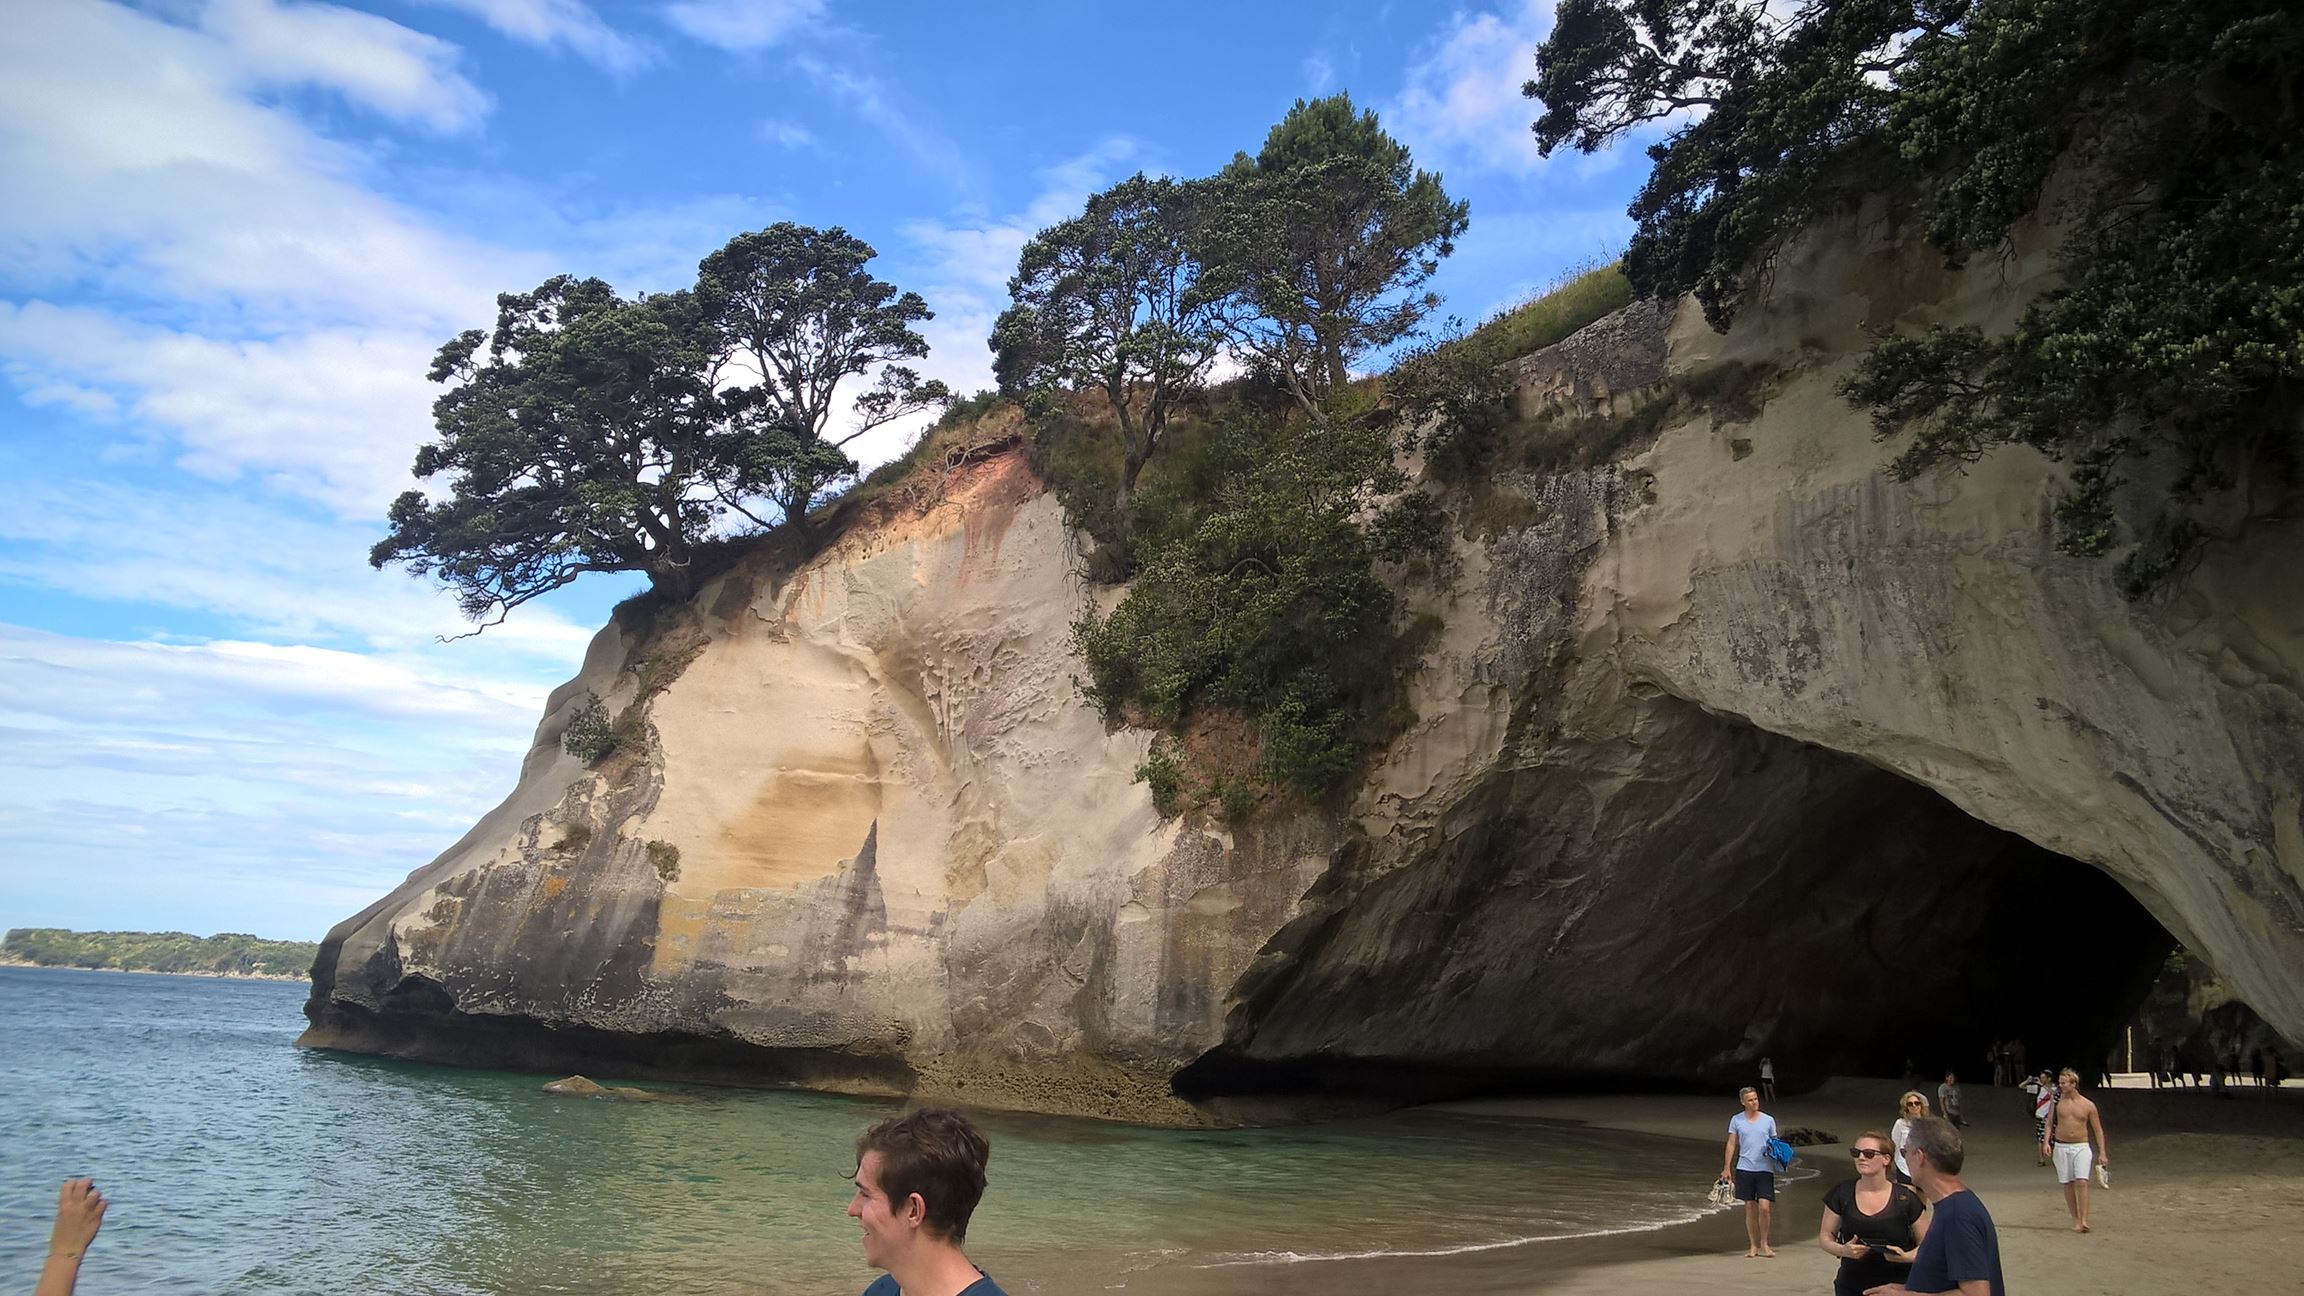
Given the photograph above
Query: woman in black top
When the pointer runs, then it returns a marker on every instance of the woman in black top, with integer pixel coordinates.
(1871, 1222)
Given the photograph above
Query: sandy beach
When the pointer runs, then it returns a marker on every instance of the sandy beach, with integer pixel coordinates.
(2207, 1195)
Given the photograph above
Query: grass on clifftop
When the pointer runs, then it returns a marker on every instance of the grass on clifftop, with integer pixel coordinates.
(1551, 315)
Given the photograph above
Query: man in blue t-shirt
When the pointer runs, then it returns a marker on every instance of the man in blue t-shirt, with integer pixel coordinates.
(918, 1179)
(1961, 1252)
(1746, 1153)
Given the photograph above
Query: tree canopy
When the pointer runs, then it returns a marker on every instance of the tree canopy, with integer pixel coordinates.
(795, 314)
(1327, 237)
(1115, 300)
(574, 434)
(590, 432)
(2175, 128)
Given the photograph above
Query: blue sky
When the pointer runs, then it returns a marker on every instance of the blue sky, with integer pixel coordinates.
(235, 231)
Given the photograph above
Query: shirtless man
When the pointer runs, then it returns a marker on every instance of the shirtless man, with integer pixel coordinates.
(2076, 1142)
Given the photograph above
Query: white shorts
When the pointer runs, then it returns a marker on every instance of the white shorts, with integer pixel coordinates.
(2073, 1161)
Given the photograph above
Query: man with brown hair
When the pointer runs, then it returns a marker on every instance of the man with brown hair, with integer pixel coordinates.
(918, 1179)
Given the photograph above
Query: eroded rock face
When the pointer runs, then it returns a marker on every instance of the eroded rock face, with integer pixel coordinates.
(1731, 747)
(908, 859)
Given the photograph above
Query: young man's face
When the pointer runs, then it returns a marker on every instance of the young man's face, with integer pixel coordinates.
(884, 1223)
(1751, 1103)
(2066, 1084)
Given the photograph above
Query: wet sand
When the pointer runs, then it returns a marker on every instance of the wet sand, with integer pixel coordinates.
(2207, 1196)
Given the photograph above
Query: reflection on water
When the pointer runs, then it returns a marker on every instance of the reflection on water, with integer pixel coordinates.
(237, 1163)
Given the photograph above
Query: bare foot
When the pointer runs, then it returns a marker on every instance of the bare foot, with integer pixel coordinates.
(1767, 1253)
(2084, 1228)
(1751, 1254)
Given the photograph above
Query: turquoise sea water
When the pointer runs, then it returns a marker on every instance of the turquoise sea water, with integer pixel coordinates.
(237, 1163)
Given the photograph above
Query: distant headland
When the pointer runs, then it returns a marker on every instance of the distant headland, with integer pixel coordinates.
(227, 954)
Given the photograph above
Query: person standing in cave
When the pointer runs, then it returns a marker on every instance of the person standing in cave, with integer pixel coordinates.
(2076, 1142)
(1768, 1079)
(1746, 1155)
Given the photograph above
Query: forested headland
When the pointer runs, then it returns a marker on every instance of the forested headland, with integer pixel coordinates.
(223, 954)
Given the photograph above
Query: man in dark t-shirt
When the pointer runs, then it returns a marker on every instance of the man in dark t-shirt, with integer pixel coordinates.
(1962, 1250)
(918, 1179)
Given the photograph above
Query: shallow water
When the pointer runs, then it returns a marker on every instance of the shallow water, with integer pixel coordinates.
(237, 1163)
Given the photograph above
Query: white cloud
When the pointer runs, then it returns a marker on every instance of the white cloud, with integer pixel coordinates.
(141, 159)
(787, 134)
(82, 680)
(1461, 105)
(228, 785)
(331, 414)
(270, 571)
(567, 23)
(872, 101)
(1319, 74)
(371, 61)
(743, 25)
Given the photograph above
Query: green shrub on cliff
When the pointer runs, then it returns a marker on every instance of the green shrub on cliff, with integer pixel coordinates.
(1268, 604)
(589, 735)
(2174, 133)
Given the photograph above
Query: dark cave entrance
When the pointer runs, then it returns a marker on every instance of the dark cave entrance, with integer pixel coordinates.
(1606, 918)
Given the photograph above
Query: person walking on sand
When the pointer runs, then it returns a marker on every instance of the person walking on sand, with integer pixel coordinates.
(1768, 1079)
(1871, 1222)
(2077, 1144)
(1961, 1250)
(1746, 1154)
(918, 1179)
(1911, 1107)
(1948, 1098)
(79, 1214)
(2043, 1088)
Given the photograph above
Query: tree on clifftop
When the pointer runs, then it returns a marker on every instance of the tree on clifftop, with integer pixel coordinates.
(1327, 236)
(795, 314)
(2176, 130)
(1114, 299)
(596, 433)
(575, 443)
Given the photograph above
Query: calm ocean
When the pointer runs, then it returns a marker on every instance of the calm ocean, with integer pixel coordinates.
(237, 1163)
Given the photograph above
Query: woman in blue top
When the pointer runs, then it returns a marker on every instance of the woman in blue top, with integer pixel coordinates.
(1746, 1153)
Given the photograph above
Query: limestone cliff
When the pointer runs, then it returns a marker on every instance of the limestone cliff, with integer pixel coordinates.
(1730, 746)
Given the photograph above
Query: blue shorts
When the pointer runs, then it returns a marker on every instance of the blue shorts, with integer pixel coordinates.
(1755, 1185)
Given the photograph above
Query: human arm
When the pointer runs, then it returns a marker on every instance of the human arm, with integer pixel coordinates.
(1828, 1241)
(1728, 1156)
(79, 1213)
(1905, 1255)
(2096, 1127)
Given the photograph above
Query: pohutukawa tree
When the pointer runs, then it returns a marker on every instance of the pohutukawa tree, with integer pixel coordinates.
(795, 314)
(1327, 237)
(576, 442)
(588, 432)
(1114, 299)
(2173, 333)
